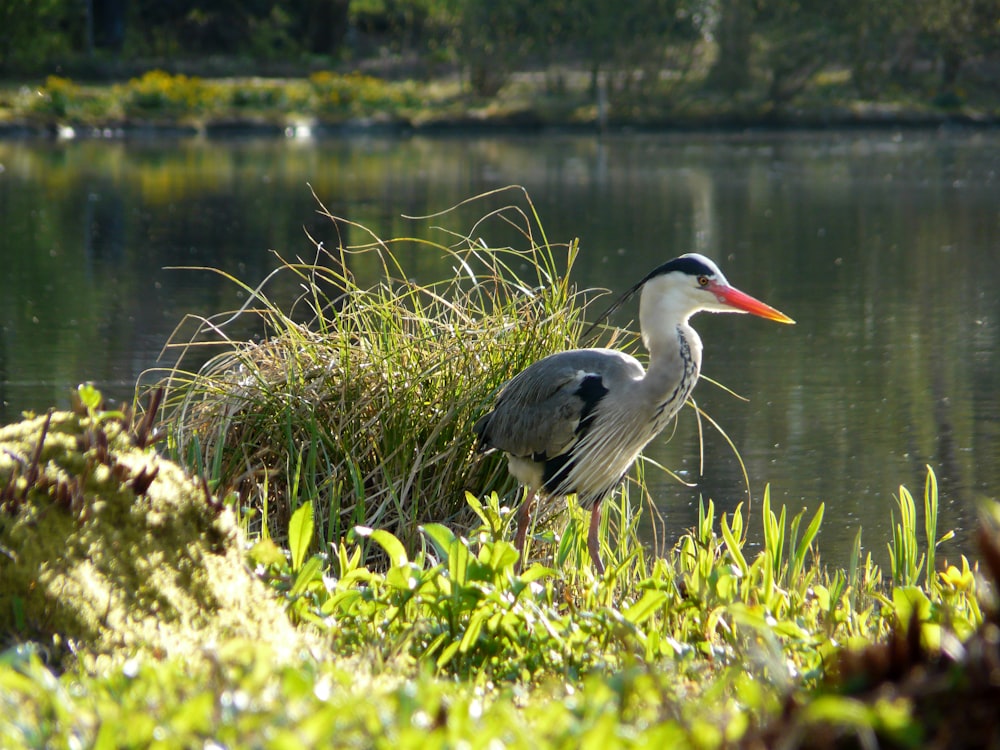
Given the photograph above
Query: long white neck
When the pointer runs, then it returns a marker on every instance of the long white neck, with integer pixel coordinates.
(674, 346)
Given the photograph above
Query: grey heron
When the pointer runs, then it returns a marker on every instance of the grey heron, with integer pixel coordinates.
(574, 422)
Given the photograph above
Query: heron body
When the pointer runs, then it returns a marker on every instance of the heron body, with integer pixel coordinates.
(574, 422)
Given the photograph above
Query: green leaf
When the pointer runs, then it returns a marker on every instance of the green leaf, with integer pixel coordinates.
(498, 555)
(402, 577)
(441, 537)
(807, 539)
(267, 553)
(790, 629)
(194, 715)
(706, 519)
(458, 562)
(774, 534)
(733, 545)
(474, 628)
(822, 593)
(347, 564)
(836, 710)
(930, 523)
(105, 739)
(390, 544)
(300, 534)
(341, 602)
(643, 609)
(854, 565)
(90, 397)
(910, 602)
(477, 507)
(448, 654)
(536, 571)
(310, 572)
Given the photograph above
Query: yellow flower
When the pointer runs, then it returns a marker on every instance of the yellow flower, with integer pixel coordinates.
(960, 580)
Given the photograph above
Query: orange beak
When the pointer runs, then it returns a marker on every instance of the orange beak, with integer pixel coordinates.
(741, 301)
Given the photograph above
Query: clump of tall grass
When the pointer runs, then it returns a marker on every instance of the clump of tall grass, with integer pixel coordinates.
(365, 407)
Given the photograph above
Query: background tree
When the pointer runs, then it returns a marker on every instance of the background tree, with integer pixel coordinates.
(491, 42)
(733, 34)
(33, 31)
(107, 24)
(627, 40)
(796, 40)
(759, 51)
(958, 31)
(881, 41)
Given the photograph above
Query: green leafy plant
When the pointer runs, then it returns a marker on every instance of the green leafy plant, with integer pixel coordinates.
(907, 560)
(459, 604)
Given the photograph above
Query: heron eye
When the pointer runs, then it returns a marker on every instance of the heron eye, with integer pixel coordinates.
(703, 281)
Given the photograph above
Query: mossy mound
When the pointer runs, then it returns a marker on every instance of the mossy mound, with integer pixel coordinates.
(108, 550)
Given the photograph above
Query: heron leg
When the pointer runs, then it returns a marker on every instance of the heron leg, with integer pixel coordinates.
(593, 539)
(523, 521)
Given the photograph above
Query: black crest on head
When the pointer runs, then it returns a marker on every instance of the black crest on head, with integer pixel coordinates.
(687, 264)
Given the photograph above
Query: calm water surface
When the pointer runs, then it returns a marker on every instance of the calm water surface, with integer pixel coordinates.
(885, 247)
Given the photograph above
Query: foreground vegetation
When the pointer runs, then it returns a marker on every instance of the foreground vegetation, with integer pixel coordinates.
(704, 648)
(402, 621)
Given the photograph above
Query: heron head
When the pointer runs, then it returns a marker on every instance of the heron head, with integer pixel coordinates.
(677, 289)
(692, 282)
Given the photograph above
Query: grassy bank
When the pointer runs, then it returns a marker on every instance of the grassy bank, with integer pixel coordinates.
(160, 102)
(709, 647)
(321, 458)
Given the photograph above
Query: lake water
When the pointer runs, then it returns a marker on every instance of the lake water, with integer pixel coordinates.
(884, 246)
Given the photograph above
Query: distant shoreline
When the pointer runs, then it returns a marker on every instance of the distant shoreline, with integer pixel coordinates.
(516, 123)
(327, 104)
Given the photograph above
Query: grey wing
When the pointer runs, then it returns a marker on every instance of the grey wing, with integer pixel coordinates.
(542, 411)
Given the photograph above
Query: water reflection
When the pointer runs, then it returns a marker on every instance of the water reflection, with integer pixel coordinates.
(884, 247)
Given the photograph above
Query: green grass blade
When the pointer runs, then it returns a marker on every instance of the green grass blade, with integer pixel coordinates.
(734, 546)
(930, 524)
(300, 534)
(798, 562)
